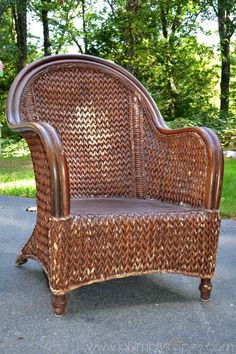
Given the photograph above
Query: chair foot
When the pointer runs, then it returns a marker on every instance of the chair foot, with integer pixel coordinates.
(59, 304)
(20, 260)
(205, 289)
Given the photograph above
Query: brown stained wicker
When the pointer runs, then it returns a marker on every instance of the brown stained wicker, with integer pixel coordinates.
(118, 193)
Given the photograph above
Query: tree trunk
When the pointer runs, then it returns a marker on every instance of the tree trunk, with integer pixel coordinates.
(132, 7)
(19, 11)
(225, 77)
(226, 30)
(46, 37)
(84, 27)
(168, 30)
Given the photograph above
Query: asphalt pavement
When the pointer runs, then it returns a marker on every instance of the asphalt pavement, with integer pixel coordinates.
(159, 313)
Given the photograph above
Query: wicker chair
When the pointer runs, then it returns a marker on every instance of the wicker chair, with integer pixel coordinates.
(118, 193)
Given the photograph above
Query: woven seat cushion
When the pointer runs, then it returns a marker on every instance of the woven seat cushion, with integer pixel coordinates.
(106, 238)
(121, 206)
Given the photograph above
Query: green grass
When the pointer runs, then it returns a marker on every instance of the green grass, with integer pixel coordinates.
(228, 199)
(17, 178)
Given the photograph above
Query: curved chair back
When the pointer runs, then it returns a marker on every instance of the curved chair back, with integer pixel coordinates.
(102, 114)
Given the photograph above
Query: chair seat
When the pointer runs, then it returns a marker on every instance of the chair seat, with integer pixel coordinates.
(117, 237)
(124, 206)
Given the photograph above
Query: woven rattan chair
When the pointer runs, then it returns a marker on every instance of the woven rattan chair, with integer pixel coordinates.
(118, 193)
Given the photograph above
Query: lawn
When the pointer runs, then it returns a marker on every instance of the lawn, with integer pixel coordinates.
(17, 178)
(228, 199)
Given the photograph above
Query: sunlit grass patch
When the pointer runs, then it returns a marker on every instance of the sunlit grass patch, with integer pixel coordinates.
(228, 199)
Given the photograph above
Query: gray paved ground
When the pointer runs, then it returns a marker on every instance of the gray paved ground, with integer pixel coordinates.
(149, 314)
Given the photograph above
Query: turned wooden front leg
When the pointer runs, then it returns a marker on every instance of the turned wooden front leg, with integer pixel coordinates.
(59, 304)
(20, 259)
(205, 289)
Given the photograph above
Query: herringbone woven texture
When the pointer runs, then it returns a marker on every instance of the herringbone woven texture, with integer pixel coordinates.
(37, 246)
(113, 150)
(90, 248)
(110, 142)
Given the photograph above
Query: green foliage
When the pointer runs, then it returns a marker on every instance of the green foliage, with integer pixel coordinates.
(189, 88)
(8, 57)
(232, 101)
(228, 132)
(224, 127)
(13, 148)
(179, 72)
(156, 40)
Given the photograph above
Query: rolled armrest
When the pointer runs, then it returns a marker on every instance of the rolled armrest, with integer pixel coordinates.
(190, 166)
(56, 161)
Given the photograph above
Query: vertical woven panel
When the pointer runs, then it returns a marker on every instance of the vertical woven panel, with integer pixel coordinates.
(37, 246)
(136, 137)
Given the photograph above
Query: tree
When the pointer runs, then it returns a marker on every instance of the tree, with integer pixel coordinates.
(225, 11)
(64, 25)
(46, 37)
(156, 41)
(9, 57)
(85, 37)
(132, 8)
(19, 11)
(177, 18)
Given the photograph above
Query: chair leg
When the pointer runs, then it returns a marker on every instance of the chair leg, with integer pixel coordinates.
(20, 260)
(59, 304)
(205, 289)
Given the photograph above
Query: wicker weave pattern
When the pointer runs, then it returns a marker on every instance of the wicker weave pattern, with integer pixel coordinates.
(105, 127)
(175, 167)
(108, 134)
(96, 248)
(90, 110)
(37, 246)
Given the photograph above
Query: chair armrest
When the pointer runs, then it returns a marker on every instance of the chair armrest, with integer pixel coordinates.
(191, 166)
(56, 160)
